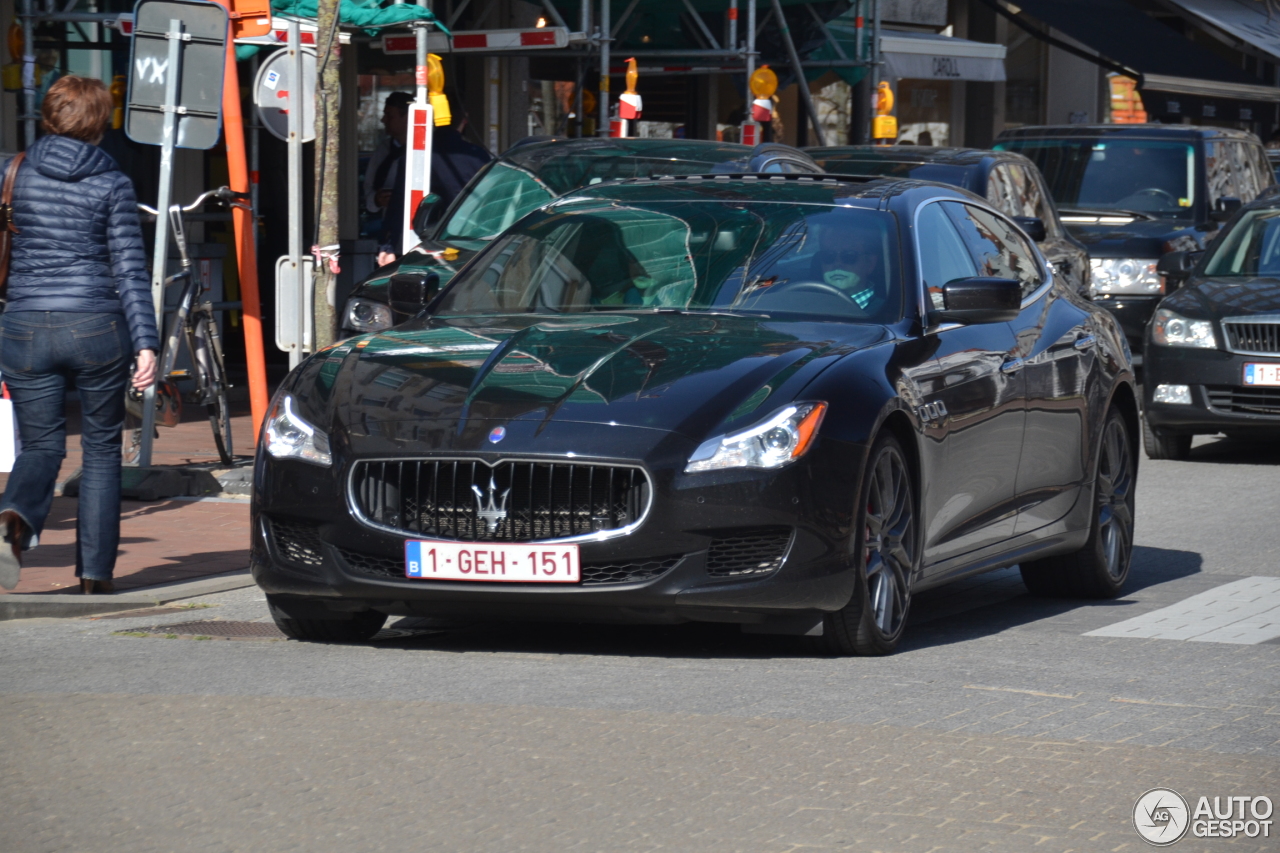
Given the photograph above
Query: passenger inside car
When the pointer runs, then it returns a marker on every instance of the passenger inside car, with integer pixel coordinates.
(849, 261)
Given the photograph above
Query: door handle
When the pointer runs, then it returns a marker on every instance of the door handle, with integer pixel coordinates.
(1013, 365)
(1085, 341)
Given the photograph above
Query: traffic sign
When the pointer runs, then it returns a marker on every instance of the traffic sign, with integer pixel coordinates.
(271, 93)
(201, 57)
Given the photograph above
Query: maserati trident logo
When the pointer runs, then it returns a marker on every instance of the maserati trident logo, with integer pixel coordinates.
(494, 512)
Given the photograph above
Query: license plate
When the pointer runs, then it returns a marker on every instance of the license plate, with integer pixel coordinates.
(1262, 374)
(491, 561)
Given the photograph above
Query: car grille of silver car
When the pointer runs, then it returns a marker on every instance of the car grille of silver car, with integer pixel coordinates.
(509, 501)
(1244, 401)
(1255, 337)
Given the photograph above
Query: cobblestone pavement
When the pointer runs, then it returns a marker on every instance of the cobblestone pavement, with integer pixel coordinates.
(1001, 725)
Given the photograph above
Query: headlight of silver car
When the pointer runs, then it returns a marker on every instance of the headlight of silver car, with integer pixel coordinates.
(1173, 330)
(289, 436)
(1129, 276)
(366, 315)
(772, 443)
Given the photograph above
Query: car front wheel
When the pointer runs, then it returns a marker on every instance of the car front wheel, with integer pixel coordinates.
(1160, 446)
(306, 623)
(887, 545)
(1100, 568)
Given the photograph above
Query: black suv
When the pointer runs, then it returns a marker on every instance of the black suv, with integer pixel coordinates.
(1008, 181)
(1133, 192)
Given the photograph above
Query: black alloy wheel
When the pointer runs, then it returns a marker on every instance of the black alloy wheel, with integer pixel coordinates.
(1101, 567)
(1160, 446)
(887, 546)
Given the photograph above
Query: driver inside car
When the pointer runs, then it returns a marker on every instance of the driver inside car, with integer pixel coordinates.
(849, 262)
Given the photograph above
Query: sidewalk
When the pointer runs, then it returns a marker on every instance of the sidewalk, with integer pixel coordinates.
(161, 542)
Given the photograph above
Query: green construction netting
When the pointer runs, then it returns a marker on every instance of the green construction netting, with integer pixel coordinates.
(370, 15)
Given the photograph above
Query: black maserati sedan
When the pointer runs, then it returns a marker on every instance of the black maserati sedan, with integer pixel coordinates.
(1010, 182)
(789, 402)
(1213, 345)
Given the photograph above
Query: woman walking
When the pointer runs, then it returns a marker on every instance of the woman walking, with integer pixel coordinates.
(79, 311)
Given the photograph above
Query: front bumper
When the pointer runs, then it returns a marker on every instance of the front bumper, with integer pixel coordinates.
(788, 530)
(1220, 401)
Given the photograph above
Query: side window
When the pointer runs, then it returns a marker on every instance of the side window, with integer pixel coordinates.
(943, 256)
(1037, 200)
(1000, 190)
(1014, 189)
(997, 248)
(1235, 170)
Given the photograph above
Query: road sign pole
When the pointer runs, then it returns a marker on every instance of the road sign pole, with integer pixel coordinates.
(295, 189)
(160, 253)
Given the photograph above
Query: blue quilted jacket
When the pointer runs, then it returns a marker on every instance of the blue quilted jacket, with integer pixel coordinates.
(80, 247)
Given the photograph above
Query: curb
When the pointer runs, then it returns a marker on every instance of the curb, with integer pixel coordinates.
(29, 606)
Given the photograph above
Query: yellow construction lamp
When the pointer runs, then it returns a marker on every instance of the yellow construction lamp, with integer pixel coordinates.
(435, 91)
(13, 69)
(763, 84)
(884, 126)
(119, 87)
(629, 103)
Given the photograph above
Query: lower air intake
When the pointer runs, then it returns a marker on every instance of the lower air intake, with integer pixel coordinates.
(752, 551)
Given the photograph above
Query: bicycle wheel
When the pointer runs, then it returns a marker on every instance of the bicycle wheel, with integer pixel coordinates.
(209, 356)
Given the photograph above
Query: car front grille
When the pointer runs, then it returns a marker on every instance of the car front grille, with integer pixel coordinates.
(297, 542)
(1252, 337)
(512, 501)
(593, 574)
(1235, 400)
(751, 551)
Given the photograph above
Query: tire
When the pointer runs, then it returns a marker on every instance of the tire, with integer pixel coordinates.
(1159, 446)
(340, 628)
(887, 545)
(1101, 567)
(216, 403)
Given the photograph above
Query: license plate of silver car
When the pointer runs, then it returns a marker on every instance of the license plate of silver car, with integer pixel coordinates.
(491, 562)
(1262, 374)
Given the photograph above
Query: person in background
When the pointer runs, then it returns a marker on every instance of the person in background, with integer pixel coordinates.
(454, 161)
(79, 312)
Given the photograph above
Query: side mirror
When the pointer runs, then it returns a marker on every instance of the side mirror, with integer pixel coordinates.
(979, 300)
(409, 293)
(1175, 267)
(1034, 226)
(1225, 208)
(422, 215)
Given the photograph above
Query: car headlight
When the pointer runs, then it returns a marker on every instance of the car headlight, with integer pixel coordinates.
(1173, 330)
(781, 439)
(366, 315)
(289, 436)
(1134, 276)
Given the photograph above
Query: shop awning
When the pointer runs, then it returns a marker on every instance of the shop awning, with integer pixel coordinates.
(1177, 78)
(924, 56)
(1251, 23)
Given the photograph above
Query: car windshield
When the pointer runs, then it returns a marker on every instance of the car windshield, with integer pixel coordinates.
(761, 258)
(1145, 176)
(530, 176)
(1250, 249)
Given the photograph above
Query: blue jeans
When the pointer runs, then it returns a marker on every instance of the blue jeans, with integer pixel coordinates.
(41, 354)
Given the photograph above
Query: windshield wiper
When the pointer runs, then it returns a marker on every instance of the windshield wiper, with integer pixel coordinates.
(1106, 211)
(701, 313)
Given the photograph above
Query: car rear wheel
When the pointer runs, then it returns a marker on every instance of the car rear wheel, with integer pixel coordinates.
(302, 623)
(1160, 446)
(1100, 568)
(888, 548)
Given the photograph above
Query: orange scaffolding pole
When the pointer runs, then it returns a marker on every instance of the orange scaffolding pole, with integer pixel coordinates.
(246, 248)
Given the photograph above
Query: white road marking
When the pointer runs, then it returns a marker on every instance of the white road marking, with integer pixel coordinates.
(1245, 612)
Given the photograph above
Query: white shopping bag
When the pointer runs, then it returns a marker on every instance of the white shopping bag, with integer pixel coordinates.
(10, 443)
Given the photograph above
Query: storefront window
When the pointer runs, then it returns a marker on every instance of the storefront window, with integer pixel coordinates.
(924, 112)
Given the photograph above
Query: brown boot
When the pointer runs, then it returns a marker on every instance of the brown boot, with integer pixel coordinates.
(12, 531)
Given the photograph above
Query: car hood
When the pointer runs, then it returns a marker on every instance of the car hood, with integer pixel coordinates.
(1142, 238)
(1214, 298)
(683, 373)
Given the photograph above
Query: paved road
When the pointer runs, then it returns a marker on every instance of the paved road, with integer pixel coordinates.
(1006, 723)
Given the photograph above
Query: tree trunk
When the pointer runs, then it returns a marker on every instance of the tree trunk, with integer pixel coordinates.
(328, 88)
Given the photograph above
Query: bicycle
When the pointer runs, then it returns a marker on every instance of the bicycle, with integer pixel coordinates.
(194, 322)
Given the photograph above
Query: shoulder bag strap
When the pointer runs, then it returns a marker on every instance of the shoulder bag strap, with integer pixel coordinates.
(7, 228)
